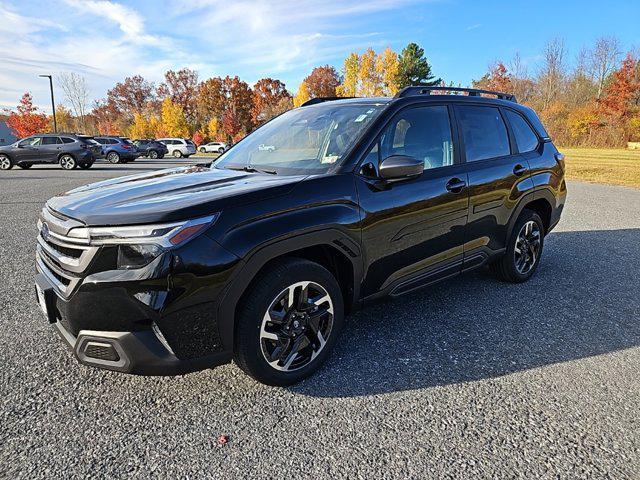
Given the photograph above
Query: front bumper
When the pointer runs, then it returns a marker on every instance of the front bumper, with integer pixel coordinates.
(144, 352)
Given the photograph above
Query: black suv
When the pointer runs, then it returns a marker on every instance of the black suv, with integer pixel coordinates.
(68, 150)
(324, 209)
(151, 148)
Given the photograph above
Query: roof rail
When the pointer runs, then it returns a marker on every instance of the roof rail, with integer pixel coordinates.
(313, 101)
(472, 92)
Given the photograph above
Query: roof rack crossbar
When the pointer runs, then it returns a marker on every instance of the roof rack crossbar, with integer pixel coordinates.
(472, 92)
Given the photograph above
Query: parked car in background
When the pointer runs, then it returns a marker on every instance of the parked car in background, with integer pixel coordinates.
(68, 150)
(117, 149)
(213, 147)
(179, 147)
(151, 148)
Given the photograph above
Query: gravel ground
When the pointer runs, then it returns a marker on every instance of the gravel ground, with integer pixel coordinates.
(471, 378)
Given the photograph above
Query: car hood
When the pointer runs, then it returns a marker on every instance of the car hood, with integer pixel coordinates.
(167, 195)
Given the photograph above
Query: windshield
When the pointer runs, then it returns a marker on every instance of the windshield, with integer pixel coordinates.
(302, 141)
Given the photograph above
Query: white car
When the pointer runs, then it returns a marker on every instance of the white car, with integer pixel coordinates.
(179, 147)
(213, 147)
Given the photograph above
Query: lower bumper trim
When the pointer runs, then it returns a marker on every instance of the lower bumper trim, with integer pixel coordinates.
(138, 353)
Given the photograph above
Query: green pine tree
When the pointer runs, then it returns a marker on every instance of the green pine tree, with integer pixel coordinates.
(414, 69)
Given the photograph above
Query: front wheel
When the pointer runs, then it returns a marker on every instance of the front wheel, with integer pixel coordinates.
(113, 157)
(524, 249)
(177, 154)
(288, 322)
(5, 163)
(68, 162)
(221, 150)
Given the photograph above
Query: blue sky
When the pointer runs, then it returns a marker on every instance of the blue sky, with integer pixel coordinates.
(108, 40)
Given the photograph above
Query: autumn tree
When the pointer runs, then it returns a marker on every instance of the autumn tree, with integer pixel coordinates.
(369, 77)
(497, 79)
(64, 120)
(303, 95)
(141, 127)
(106, 118)
(414, 68)
(211, 99)
(131, 96)
(551, 77)
(267, 96)
(388, 68)
(182, 88)
(624, 86)
(27, 119)
(322, 81)
(602, 60)
(350, 73)
(198, 138)
(173, 119)
(214, 130)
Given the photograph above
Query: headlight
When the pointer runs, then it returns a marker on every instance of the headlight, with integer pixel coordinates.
(137, 256)
(163, 235)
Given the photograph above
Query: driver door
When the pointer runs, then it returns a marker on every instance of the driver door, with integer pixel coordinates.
(413, 230)
(28, 149)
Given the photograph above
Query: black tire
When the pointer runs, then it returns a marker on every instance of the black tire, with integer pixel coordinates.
(221, 150)
(510, 266)
(261, 297)
(85, 166)
(5, 162)
(153, 154)
(25, 166)
(113, 157)
(67, 162)
(203, 150)
(177, 154)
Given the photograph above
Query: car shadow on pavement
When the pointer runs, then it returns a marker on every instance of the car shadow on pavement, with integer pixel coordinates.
(582, 302)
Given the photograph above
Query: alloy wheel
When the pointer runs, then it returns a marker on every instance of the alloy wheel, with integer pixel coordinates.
(5, 163)
(527, 248)
(153, 154)
(296, 326)
(67, 162)
(113, 157)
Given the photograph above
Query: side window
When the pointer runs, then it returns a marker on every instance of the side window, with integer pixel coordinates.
(31, 142)
(67, 140)
(50, 140)
(526, 139)
(423, 133)
(484, 133)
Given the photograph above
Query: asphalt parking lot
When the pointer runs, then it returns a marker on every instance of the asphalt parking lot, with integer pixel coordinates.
(471, 378)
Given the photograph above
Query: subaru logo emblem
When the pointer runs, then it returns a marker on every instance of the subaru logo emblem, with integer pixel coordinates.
(44, 232)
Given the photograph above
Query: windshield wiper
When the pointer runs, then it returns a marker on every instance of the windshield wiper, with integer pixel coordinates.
(252, 169)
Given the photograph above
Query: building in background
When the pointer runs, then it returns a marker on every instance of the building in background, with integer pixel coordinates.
(6, 137)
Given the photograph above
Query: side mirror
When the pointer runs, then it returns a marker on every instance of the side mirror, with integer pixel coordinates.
(400, 167)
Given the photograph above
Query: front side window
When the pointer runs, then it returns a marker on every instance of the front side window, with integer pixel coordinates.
(526, 139)
(484, 132)
(306, 140)
(30, 142)
(423, 133)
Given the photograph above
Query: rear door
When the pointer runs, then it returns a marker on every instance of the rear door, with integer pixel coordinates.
(498, 179)
(50, 148)
(413, 230)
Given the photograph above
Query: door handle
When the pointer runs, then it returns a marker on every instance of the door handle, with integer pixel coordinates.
(519, 170)
(455, 185)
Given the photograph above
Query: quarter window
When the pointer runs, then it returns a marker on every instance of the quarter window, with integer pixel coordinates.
(484, 133)
(67, 140)
(526, 139)
(423, 133)
(50, 141)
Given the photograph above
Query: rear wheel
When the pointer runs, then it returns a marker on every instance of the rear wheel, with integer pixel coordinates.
(113, 157)
(203, 150)
(177, 154)
(288, 322)
(68, 162)
(221, 150)
(153, 154)
(5, 163)
(24, 166)
(524, 249)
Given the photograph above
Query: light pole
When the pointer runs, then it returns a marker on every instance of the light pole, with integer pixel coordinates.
(53, 105)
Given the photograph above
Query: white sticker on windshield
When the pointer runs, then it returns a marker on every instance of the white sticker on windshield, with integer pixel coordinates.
(360, 118)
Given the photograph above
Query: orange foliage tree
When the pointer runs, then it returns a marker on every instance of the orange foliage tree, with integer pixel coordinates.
(27, 120)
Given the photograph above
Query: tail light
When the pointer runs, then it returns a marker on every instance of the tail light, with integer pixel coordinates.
(124, 145)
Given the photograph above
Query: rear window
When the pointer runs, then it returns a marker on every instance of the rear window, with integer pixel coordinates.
(189, 142)
(526, 139)
(484, 133)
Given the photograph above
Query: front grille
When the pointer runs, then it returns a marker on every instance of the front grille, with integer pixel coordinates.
(62, 259)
